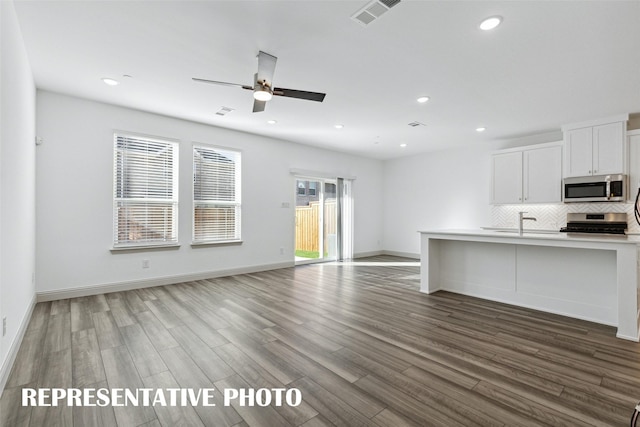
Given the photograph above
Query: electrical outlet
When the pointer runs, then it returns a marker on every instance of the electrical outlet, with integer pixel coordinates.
(4, 326)
(145, 263)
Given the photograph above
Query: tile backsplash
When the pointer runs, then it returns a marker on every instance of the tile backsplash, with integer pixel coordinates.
(554, 216)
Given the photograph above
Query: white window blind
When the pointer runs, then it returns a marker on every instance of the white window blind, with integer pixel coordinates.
(216, 194)
(145, 191)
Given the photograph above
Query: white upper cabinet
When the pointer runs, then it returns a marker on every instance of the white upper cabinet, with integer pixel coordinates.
(507, 178)
(608, 148)
(596, 149)
(528, 175)
(542, 175)
(578, 152)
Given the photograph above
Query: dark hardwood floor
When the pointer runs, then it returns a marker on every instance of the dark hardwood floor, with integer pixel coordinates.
(358, 340)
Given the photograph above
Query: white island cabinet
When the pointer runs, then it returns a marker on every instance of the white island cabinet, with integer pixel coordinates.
(592, 278)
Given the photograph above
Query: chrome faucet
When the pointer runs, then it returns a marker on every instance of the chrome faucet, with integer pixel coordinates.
(522, 219)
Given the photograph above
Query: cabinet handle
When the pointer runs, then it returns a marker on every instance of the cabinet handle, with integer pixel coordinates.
(589, 171)
(595, 171)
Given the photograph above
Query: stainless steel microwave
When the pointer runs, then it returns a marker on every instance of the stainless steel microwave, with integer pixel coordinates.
(597, 188)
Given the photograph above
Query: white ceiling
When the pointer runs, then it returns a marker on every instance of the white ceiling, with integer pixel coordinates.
(549, 63)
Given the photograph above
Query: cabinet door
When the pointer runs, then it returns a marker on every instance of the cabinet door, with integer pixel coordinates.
(608, 148)
(507, 178)
(578, 144)
(634, 166)
(543, 175)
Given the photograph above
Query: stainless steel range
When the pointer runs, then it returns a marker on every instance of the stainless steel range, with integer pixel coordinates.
(603, 223)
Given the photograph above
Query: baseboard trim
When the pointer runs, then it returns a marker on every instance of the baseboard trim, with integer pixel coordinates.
(5, 370)
(367, 254)
(84, 291)
(402, 254)
(104, 288)
(384, 252)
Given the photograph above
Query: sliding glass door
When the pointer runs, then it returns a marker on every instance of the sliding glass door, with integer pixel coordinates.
(316, 220)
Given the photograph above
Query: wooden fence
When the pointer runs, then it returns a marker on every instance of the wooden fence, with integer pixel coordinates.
(308, 221)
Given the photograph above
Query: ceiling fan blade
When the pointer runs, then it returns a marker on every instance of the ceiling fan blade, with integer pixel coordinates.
(266, 67)
(222, 83)
(300, 94)
(258, 106)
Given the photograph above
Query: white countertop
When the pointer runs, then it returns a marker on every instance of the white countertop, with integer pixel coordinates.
(533, 235)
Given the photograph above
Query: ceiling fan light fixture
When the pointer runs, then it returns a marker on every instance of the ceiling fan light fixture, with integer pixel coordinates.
(262, 95)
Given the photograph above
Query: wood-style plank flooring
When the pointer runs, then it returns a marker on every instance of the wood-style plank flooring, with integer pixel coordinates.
(359, 341)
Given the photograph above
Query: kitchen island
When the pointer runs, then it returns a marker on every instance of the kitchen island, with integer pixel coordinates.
(589, 277)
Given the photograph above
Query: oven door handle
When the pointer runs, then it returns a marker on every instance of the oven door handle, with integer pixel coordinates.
(608, 190)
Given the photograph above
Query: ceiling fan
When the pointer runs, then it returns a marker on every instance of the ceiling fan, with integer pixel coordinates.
(263, 88)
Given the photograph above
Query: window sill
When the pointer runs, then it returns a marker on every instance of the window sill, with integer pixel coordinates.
(121, 249)
(217, 243)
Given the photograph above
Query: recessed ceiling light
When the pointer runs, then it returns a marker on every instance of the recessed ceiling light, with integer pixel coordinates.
(338, 126)
(481, 129)
(422, 99)
(109, 81)
(272, 122)
(403, 145)
(490, 23)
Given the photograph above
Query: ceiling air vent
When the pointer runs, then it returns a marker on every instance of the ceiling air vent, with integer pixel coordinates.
(389, 3)
(224, 110)
(372, 11)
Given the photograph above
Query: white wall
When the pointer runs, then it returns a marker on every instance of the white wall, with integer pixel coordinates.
(17, 186)
(445, 189)
(442, 189)
(75, 187)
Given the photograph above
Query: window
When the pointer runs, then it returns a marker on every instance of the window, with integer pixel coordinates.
(301, 189)
(145, 191)
(216, 195)
(313, 188)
